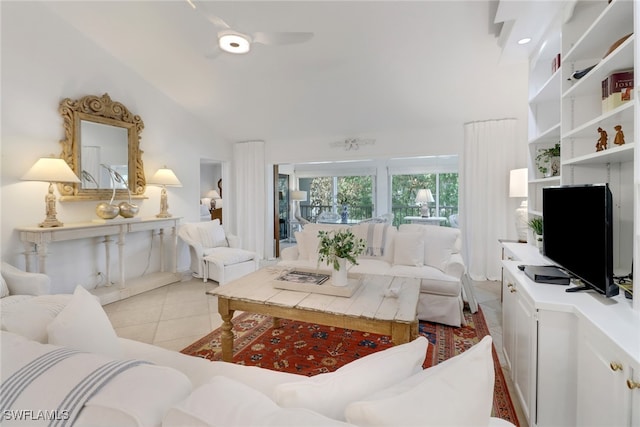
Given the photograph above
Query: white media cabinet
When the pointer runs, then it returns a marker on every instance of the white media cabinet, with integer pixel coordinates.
(574, 358)
(38, 239)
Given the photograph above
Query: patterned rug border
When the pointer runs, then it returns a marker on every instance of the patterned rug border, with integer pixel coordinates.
(248, 327)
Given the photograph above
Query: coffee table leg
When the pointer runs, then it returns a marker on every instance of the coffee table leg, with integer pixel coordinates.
(227, 332)
(401, 333)
(276, 322)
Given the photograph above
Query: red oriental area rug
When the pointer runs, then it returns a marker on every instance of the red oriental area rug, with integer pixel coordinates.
(310, 349)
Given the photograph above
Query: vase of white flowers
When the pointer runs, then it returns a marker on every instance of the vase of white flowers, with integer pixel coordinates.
(336, 248)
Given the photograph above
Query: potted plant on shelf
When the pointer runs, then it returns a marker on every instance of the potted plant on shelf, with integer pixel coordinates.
(536, 226)
(548, 161)
(336, 247)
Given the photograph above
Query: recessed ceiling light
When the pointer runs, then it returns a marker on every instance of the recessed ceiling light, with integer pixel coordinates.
(524, 40)
(234, 43)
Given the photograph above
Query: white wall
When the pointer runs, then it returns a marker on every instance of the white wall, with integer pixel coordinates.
(45, 60)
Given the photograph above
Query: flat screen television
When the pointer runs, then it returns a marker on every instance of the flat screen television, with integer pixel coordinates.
(577, 234)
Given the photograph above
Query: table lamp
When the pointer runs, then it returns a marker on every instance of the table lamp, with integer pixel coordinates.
(518, 187)
(423, 198)
(164, 177)
(50, 170)
(298, 196)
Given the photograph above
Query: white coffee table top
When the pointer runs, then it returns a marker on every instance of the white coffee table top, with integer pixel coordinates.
(378, 297)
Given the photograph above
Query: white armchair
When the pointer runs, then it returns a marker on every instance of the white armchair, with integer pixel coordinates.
(216, 254)
(18, 282)
(26, 306)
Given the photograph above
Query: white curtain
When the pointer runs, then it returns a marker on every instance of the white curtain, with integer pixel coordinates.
(488, 156)
(251, 194)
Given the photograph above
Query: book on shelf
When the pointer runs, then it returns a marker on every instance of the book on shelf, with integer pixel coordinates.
(617, 89)
(555, 63)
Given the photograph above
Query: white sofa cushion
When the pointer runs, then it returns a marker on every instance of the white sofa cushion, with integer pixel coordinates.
(378, 238)
(29, 315)
(330, 393)
(83, 325)
(136, 397)
(439, 242)
(456, 392)
(226, 402)
(229, 256)
(409, 249)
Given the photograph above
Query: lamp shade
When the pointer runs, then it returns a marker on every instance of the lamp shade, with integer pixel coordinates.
(424, 196)
(300, 196)
(518, 183)
(213, 194)
(165, 176)
(50, 170)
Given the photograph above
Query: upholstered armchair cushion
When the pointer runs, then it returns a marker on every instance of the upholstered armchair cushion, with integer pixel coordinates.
(216, 254)
(19, 282)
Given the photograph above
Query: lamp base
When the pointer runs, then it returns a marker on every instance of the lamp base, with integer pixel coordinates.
(50, 222)
(424, 211)
(164, 215)
(522, 219)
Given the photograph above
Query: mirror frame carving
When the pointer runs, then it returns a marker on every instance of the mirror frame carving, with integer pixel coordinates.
(100, 109)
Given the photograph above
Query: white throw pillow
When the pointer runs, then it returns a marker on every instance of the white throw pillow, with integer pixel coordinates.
(29, 315)
(225, 402)
(456, 392)
(83, 325)
(4, 289)
(330, 393)
(211, 235)
(409, 249)
(301, 243)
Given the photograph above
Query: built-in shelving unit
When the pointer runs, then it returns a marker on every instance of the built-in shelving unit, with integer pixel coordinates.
(569, 111)
(587, 41)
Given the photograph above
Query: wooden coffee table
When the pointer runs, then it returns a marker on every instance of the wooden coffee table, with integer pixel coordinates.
(370, 309)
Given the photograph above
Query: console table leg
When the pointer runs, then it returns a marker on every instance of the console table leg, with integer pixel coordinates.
(227, 329)
(42, 257)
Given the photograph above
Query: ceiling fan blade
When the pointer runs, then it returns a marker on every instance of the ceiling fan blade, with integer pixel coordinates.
(281, 38)
(215, 20)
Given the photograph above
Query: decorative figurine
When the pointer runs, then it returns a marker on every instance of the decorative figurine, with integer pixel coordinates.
(619, 139)
(602, 142)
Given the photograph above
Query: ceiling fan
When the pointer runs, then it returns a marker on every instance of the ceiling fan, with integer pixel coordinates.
(236, 42)
(353, 143)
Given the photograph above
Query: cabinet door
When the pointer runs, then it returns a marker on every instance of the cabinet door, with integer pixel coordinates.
(603, 395)
(523, 371)
(508, 320)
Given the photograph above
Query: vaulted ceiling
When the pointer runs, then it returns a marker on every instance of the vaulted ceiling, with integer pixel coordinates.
(372, 66)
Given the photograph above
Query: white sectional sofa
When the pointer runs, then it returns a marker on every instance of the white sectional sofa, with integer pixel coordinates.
(82, 374)
(430, 253)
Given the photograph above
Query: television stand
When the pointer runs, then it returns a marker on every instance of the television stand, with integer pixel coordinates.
(578, 289)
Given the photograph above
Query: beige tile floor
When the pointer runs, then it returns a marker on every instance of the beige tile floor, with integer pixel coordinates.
(178, 314)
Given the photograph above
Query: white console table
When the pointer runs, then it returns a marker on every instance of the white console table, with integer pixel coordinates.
(36, 241)
(430, 220)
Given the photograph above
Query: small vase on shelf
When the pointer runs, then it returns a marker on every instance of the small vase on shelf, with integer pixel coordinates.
(339, 277)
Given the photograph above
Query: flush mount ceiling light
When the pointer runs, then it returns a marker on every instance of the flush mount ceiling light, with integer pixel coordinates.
(524, 40)
(233, 42)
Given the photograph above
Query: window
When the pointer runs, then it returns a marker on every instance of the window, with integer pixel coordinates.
(443, 186)
(334, 193)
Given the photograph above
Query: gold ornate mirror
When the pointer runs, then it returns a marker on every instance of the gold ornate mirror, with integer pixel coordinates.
(101, 134)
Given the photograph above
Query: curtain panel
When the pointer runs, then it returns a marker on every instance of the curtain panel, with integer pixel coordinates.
(488, 156)
(251, 194)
